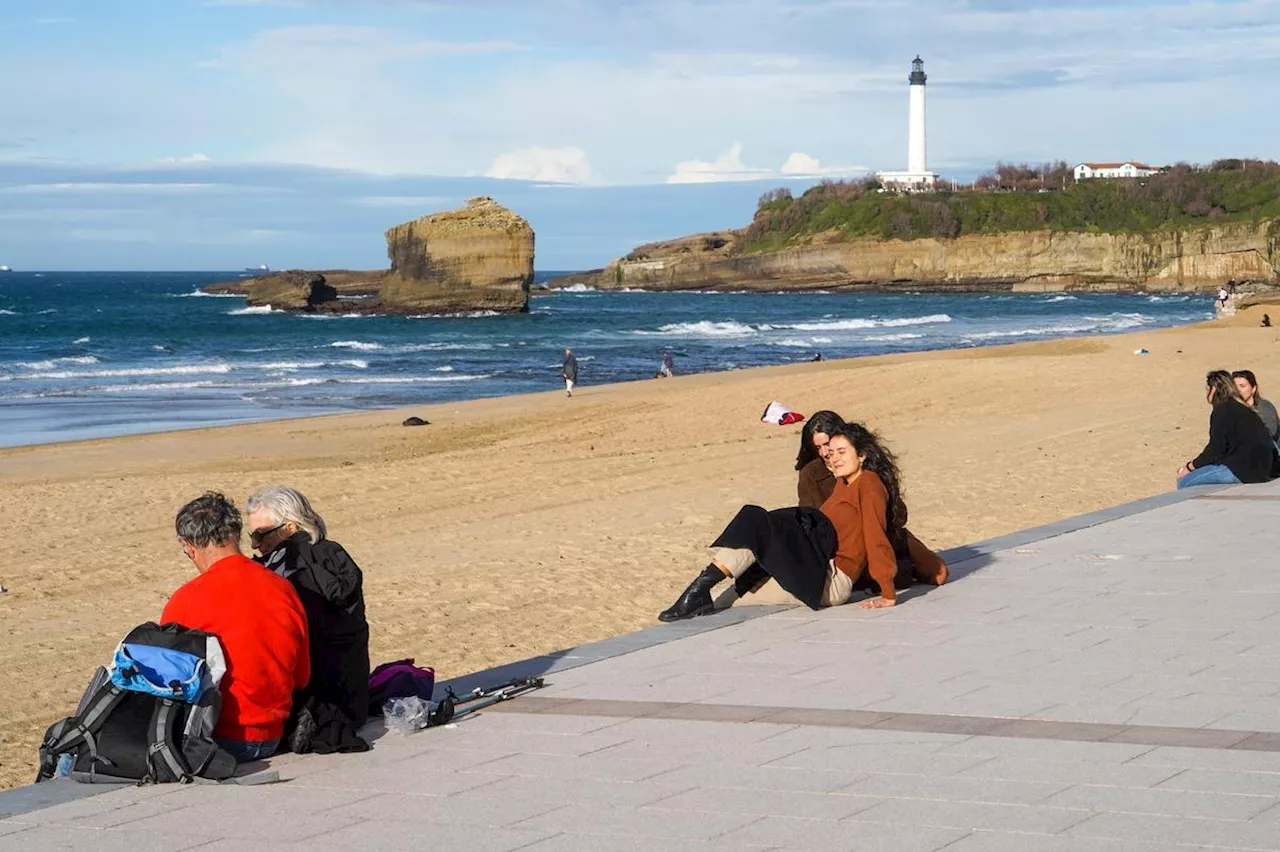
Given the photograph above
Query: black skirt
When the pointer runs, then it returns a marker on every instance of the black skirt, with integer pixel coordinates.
(793, 545)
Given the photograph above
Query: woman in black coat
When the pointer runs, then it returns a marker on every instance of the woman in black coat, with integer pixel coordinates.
(290, 536)
(1239, 448)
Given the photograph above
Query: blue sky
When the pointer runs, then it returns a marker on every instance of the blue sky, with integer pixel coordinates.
(192, 134)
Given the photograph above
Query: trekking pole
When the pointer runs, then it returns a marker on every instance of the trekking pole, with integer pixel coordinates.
(452, 707)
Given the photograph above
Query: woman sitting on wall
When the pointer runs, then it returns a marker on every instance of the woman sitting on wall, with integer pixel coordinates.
(1247, 384)
(815, 484)
(1239, 448)
(818, 556)
(291, 538)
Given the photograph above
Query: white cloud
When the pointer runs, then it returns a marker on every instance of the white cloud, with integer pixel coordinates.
(97, 187)
(559, 165)
(190, 159)
(802, 165)
(728, 166)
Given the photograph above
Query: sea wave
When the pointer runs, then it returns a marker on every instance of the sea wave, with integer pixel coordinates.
(47, 311)
(251, 311)
(1111, 323)
(200, 294)
(185, 370)
(357, 363)
(579, 288)
(5, 312)
(355, 344)
(704, 328)
(889, 338)
(1061, 297)
(54, 363)
(467, 315)
(81, 340)
(856, 324)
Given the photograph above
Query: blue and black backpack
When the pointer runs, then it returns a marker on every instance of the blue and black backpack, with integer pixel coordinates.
(149, 717)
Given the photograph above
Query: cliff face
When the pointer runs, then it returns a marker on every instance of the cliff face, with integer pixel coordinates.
(476, 258)
(295, 290)
(1192, 259)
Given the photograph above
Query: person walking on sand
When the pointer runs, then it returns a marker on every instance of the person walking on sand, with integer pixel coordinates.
(570, 372)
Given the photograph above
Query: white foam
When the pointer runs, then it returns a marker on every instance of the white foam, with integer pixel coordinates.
(889, 338)
(408, 380)
(704, 328)
(1060, 298)
(355, 344)
(187, 370)
(1110, 323)
(48, 311)
(445, 369)
(856, 324)
(7, 313)
(793, 342)
(80, 340)
(200, 294)
(467, 315)
(578, 288)
(54, 363)
(256, 309)
(287, 366)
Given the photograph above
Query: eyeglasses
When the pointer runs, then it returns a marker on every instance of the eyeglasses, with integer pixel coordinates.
(258, 535)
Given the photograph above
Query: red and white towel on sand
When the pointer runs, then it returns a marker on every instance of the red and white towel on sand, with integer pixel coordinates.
(779, 415)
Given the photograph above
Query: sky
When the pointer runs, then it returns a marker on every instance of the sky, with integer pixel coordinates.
(216, 134)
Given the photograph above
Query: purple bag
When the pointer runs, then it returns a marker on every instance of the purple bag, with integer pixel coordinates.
(401, 679)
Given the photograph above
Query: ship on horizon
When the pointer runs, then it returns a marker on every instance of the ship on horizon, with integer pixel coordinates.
(4, 268)
(250, 271)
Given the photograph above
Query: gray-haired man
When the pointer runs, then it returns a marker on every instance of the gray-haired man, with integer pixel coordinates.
(257, 617)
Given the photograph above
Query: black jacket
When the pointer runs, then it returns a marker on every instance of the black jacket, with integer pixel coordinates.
(1239, 440)
(331, 588)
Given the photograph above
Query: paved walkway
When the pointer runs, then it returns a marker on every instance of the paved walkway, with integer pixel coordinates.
(1109, 688)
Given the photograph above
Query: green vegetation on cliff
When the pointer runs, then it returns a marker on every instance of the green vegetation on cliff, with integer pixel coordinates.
(1020, 198)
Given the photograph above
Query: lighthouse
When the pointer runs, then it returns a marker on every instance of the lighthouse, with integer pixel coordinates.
(917, 177)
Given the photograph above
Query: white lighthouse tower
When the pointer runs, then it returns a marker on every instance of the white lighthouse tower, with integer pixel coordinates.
(917, 177)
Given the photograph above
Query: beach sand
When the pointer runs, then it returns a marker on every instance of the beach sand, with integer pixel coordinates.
(517, 526)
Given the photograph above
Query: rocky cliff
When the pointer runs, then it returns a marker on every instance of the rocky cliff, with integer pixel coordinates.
(1189, 259)
(477, 258)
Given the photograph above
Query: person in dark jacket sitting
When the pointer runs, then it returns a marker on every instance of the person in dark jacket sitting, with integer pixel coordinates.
(1239, 448)
(291, 538)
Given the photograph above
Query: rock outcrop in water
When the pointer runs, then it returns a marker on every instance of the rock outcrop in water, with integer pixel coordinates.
(295, 290)
(477, 258)
(1173, 260)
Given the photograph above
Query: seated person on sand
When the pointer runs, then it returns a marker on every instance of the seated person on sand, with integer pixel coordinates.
(255, 615)
(815, 484)
(1247, 384)
(1239, 448)
(290, 536)
(818, 556)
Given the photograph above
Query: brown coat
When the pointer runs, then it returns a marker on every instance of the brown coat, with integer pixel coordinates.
(815, 484)
(857, 509)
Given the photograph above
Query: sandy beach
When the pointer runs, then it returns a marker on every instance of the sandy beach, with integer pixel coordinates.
(516, 526)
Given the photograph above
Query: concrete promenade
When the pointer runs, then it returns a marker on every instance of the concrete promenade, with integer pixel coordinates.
(1104, 684)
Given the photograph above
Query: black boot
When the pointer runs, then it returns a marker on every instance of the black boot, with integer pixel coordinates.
(753, 578)
(695, 600)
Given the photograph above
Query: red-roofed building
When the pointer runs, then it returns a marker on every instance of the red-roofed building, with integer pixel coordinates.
(1130, 169)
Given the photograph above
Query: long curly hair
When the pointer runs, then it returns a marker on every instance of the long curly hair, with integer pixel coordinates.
(826, 422)
(881, 461)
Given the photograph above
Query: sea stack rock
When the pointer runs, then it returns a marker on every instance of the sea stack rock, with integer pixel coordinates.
(474, 259)
(295, 290)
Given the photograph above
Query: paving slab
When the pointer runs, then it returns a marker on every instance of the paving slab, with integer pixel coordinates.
(1100, 684)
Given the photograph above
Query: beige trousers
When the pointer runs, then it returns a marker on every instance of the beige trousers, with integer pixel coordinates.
(735, 561)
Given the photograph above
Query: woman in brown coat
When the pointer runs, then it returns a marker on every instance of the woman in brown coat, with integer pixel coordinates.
(820, 557)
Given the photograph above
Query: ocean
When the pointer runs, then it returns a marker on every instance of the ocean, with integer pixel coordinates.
(95, 354)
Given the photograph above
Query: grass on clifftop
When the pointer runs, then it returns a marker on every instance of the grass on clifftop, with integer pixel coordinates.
(1021, 198)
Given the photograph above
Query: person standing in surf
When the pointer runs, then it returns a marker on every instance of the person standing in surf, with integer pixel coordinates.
(570, 372)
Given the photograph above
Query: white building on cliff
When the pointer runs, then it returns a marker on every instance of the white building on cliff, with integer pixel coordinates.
(917, 177)
(1130, 169)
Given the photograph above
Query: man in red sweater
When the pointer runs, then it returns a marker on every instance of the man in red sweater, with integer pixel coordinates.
(257, 617)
